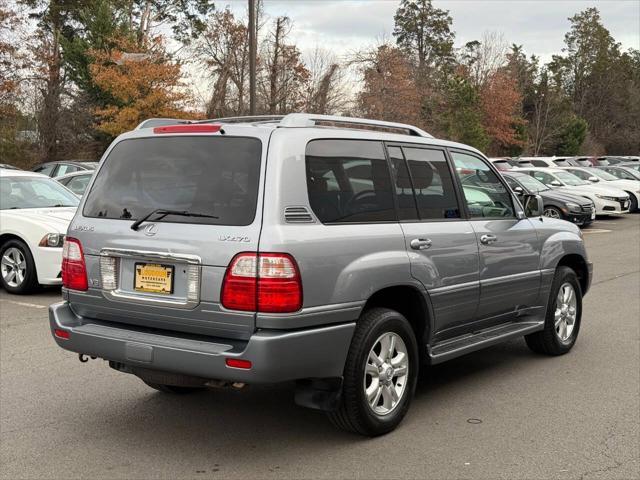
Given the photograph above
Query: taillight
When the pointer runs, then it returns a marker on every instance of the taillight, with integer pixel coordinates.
(265, 282)
(74, 270)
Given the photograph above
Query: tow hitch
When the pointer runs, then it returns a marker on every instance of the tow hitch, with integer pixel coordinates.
(85, 358)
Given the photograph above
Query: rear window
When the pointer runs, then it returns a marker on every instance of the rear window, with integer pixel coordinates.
(214, 176)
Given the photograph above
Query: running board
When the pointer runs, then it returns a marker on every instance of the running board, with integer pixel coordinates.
(470, 342)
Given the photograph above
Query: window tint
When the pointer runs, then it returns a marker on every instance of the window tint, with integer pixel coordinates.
(46, 169)
(432, 184)
(485, 194)
(404, 191)
(215, 176)
(64, 168)
(78, 184)
(348, 181)
(539, 163)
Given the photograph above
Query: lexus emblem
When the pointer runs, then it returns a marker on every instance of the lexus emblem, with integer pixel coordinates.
(150, 230)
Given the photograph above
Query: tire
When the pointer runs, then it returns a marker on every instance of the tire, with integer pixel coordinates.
(552, 340)
(553, 212)
(17, 269)
(172, 388)
(376, 328)
(633, 206)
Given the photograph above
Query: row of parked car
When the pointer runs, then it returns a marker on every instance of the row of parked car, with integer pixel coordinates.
(610, 184)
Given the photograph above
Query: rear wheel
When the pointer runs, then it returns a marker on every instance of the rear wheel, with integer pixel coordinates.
(380, 374)
(564, 313)
(553, 212)
(17, 268)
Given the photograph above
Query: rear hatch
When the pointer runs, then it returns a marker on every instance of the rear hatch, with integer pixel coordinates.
(168, 273)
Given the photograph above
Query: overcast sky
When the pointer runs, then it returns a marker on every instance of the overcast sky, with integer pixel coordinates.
(539, 25)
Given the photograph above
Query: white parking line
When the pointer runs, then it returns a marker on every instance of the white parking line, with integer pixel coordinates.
(596, 230)
(24, 304)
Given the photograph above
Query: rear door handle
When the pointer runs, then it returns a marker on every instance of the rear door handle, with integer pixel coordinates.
(488, 238)
(420, 243)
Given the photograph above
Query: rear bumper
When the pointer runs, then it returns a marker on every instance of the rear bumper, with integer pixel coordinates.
(275, 356)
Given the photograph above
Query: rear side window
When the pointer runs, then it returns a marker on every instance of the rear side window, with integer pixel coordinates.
(212, 176)
(46, 169)
(348, 181)
(65, 168)
(539, 163)
(432, 184)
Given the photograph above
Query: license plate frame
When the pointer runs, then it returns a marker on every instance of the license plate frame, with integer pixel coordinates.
(157, 284)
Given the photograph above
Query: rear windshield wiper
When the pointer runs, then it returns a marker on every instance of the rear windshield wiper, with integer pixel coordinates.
(163, 213)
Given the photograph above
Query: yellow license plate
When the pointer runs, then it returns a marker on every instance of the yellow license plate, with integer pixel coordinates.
(154, 278)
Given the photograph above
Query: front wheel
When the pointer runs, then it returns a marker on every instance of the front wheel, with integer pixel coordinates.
(380, 374)
(553, 212)
(17, 268)
(564, 313)
(633, 203)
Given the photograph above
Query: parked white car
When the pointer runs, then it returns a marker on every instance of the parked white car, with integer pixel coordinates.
(35, 212)
(595, 175)
(608, 200)
(552, 162)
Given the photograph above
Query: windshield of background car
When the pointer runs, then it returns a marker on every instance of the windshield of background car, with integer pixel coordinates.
(34, 192)
(603, 175)
(570, 179)
(532, 184)
(214, 176)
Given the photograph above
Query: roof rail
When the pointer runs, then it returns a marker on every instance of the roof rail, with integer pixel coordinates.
(247, 119)
(310, 120)
(161, 122)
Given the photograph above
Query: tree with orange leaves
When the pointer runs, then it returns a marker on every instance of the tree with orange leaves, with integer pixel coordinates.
(500, 101)
(142, 81)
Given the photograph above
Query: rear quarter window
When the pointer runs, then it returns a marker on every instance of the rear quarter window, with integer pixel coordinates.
(349, 181)
(215, 176)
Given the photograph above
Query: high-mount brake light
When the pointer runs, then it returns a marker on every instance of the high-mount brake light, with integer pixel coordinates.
(74, 269)
(188, 128)
(264, 282)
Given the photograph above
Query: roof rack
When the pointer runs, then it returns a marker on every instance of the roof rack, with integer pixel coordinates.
(310, 120)
(247, 119)
(303, 120)
(161, 122)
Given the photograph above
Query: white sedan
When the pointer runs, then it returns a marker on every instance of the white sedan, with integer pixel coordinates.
(600, 177)
(608, 200)
(35, 212)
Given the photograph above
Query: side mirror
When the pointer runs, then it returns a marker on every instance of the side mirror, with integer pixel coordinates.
(594, 179)
(533, 205)
(518, 191)
(555, 183)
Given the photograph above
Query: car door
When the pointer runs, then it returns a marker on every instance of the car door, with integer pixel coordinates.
(440, 242)
(508, 242)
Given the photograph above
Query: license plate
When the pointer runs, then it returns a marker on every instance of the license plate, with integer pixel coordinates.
(154, 278)
(593, 215)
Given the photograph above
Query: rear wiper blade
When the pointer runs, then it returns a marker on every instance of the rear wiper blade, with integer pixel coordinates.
(163, 213)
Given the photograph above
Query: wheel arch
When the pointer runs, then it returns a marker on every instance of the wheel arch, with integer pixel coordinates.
(413, 303)
(578, 264)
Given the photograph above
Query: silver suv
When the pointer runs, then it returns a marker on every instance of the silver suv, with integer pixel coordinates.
(342, 254)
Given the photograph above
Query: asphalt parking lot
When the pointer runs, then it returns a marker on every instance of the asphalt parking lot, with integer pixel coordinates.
(499, 413)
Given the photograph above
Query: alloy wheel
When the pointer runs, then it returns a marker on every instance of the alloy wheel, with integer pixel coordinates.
(551, 212)
(566, 312)
(385, 377)
(13, 267)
